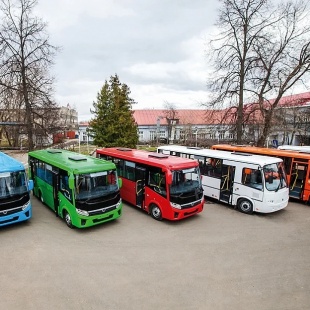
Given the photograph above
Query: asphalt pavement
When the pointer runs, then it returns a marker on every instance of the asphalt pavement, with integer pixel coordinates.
(218, 259)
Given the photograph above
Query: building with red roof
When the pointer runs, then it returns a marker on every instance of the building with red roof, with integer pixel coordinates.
(204, 127)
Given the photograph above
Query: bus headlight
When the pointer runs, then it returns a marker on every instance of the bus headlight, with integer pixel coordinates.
(26, 205)
(82, 212)
(175, 205)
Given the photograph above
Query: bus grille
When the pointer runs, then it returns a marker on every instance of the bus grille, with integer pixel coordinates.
(10, 211)
(190, 205)
(98, 205)
(102, 211)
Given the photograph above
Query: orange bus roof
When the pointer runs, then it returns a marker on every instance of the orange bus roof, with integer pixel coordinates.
(261, 150)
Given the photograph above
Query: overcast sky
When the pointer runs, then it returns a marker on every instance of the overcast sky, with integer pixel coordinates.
(156, 47)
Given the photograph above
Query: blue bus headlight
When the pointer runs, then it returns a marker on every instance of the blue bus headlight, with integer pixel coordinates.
(82, 212)
(26, 205)
(175, 205)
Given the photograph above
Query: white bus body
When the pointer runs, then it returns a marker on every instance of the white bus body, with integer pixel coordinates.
(253, 183)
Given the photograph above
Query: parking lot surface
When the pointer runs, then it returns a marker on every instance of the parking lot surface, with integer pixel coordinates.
(219, 259)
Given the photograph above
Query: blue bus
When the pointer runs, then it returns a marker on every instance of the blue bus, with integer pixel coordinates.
(15, 204)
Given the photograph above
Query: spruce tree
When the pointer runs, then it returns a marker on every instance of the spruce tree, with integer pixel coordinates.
(113, 123)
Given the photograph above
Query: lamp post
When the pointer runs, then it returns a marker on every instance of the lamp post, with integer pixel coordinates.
(196, 132)
(79, 141)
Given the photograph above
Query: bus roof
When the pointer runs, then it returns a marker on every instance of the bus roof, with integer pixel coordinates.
(147, 157)
(234, 156)
(296, 148)
(71, 161)
(9, 164)
(262, 151)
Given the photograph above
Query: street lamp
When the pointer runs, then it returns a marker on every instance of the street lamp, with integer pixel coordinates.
(79, 141)
(196, 132)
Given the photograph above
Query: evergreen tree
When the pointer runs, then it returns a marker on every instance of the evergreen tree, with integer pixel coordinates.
(114, 124)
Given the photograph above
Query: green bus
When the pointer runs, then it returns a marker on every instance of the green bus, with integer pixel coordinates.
(83, 190)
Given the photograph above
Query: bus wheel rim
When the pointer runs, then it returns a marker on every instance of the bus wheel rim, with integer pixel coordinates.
(156, 212)
(245, 206)
(68, 218)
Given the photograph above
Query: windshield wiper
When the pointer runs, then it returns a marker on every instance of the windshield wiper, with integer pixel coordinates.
(280, 183)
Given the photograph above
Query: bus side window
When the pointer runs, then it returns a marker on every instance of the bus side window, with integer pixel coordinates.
(119, 163)
(210, 167)
(202, 166)
(252, 178)
(64, 186)
(157, 182)
(215, 167)
(130, 171)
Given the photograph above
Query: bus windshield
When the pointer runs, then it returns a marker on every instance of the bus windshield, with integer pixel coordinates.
(95, 185)
(185, 181)
(12, 183)
(275, 176)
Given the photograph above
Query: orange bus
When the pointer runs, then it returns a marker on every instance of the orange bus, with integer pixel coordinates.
(164, 186)
(296, 166)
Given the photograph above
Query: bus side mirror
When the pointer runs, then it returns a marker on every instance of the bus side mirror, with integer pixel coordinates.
(71, 181)
(30, 185)
(120, 182)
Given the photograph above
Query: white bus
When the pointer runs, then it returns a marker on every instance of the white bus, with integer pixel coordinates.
(252, 183)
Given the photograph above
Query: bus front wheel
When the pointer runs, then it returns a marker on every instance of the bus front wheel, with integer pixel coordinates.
(155, 212)
(67, 218)
(245, 206)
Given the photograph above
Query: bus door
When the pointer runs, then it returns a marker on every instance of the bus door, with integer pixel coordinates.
(55, 191)
(297, 179)
(140, 186)
(227, 181)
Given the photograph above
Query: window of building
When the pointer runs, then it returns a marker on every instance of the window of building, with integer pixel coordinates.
(152, 134)
(222, 134)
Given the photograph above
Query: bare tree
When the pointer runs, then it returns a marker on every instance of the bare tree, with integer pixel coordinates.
(253, 56)
(171, 115)
(283, 59)
(25, 58)
(239, 22)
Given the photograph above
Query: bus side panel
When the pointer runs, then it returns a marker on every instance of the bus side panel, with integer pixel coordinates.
(128, 191)
(211, 187)
(46, 191)
(162, 202)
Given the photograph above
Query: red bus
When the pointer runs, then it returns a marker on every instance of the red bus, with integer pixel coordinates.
(296, 166)
(165, 186)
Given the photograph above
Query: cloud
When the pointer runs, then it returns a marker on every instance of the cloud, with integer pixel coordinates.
(156, 47)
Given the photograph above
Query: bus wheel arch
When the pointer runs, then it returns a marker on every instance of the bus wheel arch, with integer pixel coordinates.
(245, 206)
(155, 212)
(40, 196)
(67, 217)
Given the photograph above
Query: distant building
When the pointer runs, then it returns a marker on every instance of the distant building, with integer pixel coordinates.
(291, 124)
(47, 123)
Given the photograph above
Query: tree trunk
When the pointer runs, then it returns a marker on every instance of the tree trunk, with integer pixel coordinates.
(266, 129)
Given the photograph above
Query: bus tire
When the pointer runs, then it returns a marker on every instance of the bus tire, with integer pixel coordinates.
(155, 212)
(40, 197)
(245, 206)
(67, 218)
